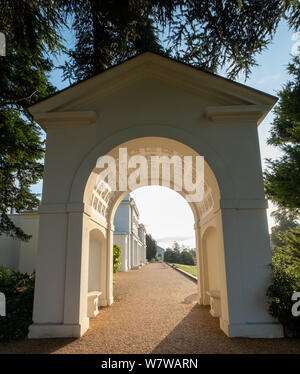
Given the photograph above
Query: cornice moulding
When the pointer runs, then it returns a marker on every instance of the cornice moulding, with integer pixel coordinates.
(238, 112)
(82, 118)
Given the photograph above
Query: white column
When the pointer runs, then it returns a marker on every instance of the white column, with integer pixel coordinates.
(247, 259)
(124, 265)
(135, 253)
(60, 304)
(122, 241)
(50, 268)
(131, 251)
(139, 254)
(77, 267)
(200, 265)
(109, 266)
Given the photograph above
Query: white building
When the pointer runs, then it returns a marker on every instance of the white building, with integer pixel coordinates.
(129, 235)
(153, 106)
(16, 254)
(160, 251)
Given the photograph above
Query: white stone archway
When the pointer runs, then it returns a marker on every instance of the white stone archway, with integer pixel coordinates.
(156, 103)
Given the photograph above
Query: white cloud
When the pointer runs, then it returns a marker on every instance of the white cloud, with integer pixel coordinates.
(170, 215)
(172, 238)
(267, 78)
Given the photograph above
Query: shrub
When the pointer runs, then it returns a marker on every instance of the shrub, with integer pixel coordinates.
(11, 281)
(174, 256)
(285, 283)
(150, 247)
(187, 258)
(116, 258)
(18, 289)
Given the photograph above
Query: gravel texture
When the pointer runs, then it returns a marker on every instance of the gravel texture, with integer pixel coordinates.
(155, 311)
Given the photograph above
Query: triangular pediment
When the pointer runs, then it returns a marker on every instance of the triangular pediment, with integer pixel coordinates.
(221, 94)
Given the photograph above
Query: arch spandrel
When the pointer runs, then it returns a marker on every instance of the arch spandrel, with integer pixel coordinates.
(103, 201)
(216, 169)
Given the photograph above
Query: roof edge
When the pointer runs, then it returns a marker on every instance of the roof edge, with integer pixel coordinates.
(241, 85)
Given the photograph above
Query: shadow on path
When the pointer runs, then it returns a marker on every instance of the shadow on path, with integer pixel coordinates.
(200, 333)
(155, 311)
(35, 346)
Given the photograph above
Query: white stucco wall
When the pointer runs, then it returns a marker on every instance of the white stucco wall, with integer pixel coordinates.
(28, 250)
(96, 247)
(210, 248)
(20, 255)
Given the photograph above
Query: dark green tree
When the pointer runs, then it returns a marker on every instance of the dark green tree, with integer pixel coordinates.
(187, 258)
(291, 247)
(210, 34)
(284, 284)
(285, 219)
(282, 183)
(282, 178)
(170, 256)
(150, 247)
(31, 30)
(175, 256)
(108, 32)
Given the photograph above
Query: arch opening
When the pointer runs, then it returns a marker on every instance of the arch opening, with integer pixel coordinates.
(103, 203)
(103, 199)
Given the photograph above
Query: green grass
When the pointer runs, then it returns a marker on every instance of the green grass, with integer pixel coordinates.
(191, 269)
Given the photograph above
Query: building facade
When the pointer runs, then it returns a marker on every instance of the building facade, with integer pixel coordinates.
(129, 235)
(160, 252)
(16, 254)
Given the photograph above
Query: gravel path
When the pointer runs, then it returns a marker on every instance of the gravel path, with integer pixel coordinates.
(155, 311)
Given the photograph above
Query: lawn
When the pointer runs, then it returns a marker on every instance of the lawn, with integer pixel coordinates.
(191, 269)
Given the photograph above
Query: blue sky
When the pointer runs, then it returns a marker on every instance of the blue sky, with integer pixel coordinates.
(165, 213)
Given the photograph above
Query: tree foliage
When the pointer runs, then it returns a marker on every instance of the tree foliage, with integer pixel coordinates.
(108, 32)
(290, 248)
(20, 148)
(150, 247)
(285, 219)
(209, 34)
(18, 289)
(285, 283)
(282, 183)
(282, 179)
(31, 29)
(180, 255)
(117, 252)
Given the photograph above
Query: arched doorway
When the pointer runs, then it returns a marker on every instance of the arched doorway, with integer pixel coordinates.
(160, 106)
(104, 203)
(96, 271)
